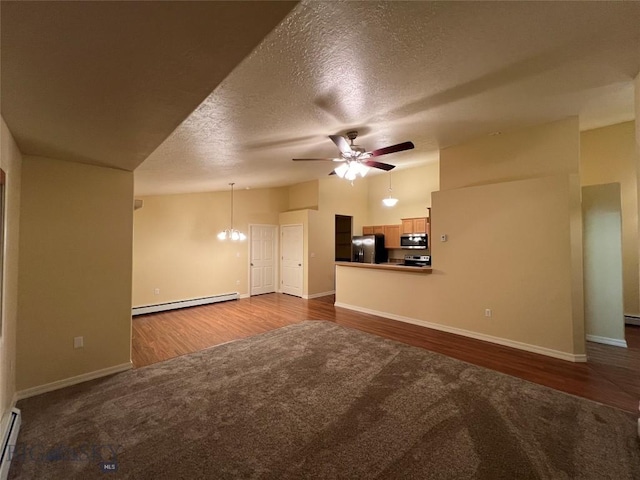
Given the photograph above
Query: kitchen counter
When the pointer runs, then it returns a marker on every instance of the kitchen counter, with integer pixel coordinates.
(386, 266)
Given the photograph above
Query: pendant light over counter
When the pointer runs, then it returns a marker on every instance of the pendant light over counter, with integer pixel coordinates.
(390, 201)
(231, 233)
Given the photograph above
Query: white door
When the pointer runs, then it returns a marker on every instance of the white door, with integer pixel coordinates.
(291, 265)
(263, 259)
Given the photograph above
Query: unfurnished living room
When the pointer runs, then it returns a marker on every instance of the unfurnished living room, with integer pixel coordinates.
(339, 240)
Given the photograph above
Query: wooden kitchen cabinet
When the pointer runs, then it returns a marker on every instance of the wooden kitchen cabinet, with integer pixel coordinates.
(415, 225)
(371, 229)
(419, 225)
(407, 225)
(392, 236)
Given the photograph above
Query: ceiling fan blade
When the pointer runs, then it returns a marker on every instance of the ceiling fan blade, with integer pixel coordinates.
(392, 149)
(333, 172)
(341, 143)
(381, 166)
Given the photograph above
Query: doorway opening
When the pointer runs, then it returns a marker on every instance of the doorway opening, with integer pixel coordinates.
(343, 234)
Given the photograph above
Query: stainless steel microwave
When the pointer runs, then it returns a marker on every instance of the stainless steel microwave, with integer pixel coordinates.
(417, 241)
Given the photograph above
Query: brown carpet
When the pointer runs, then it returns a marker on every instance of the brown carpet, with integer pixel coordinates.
(316, 400)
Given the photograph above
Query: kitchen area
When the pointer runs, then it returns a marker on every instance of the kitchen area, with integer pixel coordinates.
(400, 247)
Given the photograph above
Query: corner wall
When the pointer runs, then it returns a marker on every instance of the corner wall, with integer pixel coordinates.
(76, 228)
(11, 163)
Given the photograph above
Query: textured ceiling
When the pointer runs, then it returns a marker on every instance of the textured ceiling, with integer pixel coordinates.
(436, 73)
(107, 82)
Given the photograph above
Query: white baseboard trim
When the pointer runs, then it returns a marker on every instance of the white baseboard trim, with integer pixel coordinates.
(244, 295)
(607, 341)
(468, 333)
(10, 429)
(67, 382)
(318, 295)
(161, 307)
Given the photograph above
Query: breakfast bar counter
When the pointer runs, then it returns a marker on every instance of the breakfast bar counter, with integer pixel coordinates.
(386, 266)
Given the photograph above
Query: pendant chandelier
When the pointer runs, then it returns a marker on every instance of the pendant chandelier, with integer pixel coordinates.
(390, 201)
(231, 233)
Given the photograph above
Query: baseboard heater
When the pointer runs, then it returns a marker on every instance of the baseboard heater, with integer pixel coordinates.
(631, 320)
(9, 439)
(161, 307)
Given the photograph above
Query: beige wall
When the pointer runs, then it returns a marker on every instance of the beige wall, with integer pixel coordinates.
(487, 262)
(176, 249)
(515, 244)
(336, 197)
(412, 187)
(541, 150)
(303, 195)
(608, 155)
(11, 163)
(603, 306)
(75, 270)
(637, 123)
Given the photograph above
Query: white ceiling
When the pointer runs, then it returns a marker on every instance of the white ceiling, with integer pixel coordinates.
(436, 73)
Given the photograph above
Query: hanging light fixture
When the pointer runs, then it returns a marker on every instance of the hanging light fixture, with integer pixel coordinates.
(231, 233)
(390, 201)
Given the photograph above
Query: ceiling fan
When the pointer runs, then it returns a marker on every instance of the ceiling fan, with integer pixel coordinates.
(355, 160)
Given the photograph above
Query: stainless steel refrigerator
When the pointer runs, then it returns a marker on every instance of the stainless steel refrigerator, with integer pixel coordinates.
(368, 249)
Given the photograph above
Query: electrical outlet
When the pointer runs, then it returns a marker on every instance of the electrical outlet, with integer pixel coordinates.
(237, 282)
(487, 312)
(443, 238)
(78, 342)
(156, 291)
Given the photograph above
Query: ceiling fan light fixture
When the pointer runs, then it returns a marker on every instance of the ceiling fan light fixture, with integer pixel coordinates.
(362, 169)
(341, 170)
(231, 233)
(356, 159)
(351, 169)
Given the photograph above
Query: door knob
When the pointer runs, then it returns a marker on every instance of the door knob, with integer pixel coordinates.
(252, 264)
(299, 264)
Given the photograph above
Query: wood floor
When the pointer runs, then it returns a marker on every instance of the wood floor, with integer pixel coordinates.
(611, 375)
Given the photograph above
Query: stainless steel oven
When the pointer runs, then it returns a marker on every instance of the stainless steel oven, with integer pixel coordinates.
(417, 260)
(417, 241)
